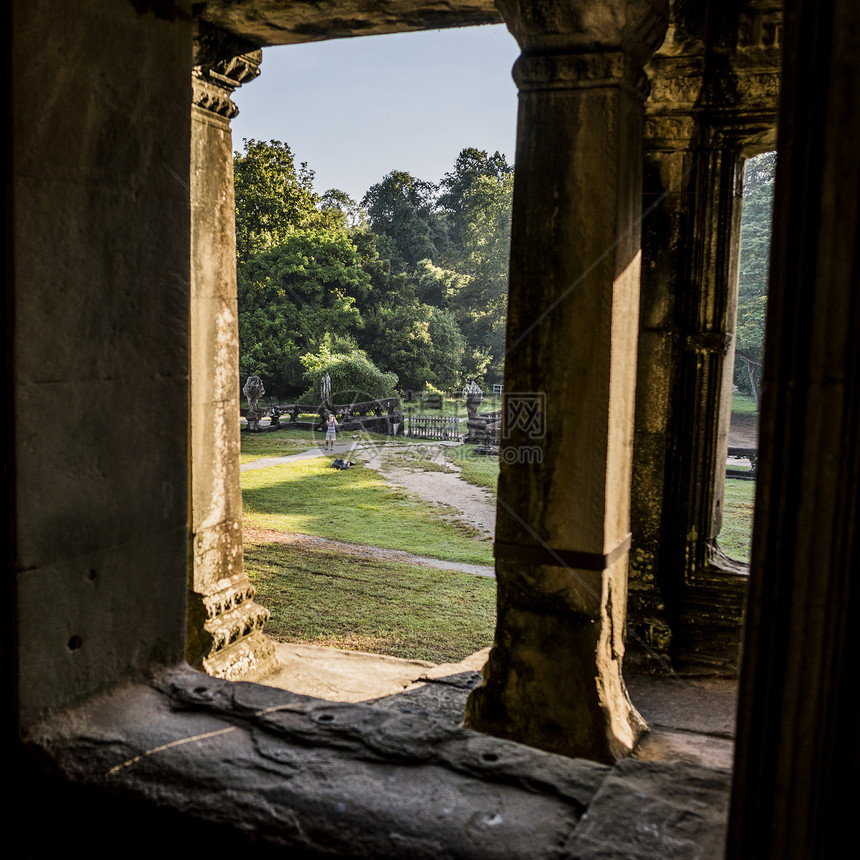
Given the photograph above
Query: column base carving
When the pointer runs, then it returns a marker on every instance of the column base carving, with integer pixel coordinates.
(250, 659)
(232, 644)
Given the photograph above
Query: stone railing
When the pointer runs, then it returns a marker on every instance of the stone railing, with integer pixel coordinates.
(381, 415)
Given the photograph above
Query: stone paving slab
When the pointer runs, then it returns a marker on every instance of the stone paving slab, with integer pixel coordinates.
(646, 810)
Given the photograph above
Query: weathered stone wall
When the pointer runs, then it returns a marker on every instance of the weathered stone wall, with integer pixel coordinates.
(100, 238)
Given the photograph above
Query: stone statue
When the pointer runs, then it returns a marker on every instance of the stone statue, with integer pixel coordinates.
(474, 397)
(253, 390)
(325, 390)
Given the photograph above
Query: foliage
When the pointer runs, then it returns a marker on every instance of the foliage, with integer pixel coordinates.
(416, 281)
(433, 396)
(418, 340)
(342, 210)
(759, 177)
(403, 209)
(354, 377)
(273, 197)
(291, 297)
(436, 286)
(422, 342)
(458, 186)
(480, 305)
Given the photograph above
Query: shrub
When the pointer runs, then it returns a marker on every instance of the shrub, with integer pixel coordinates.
(354, 377)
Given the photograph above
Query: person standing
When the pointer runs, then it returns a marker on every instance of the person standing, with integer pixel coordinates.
(330, 432)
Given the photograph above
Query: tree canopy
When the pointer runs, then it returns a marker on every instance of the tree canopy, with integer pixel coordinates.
(759, 175)
(273, 197)
(293, 295)
(403, 208)
(411, 282)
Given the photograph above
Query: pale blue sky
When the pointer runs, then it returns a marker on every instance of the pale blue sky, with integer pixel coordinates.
(355, 109)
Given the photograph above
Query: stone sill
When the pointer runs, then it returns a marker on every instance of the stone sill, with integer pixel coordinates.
(345, 780)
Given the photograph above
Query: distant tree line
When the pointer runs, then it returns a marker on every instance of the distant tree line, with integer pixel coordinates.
(403, 290)
(759, 175)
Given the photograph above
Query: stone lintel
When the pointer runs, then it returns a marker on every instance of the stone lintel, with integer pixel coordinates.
(275, 22)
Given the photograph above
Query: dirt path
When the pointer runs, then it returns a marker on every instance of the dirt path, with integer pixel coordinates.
(470, 505)
(355, 550)
(474, 506)
(743, 430)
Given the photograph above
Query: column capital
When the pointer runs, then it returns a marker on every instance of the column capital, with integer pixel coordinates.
(222, 64)
(581, 70)
(634, 27)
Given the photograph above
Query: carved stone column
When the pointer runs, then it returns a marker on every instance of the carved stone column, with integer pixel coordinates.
(712, 103)
(225, 625)
(553, 679)
(671, 131)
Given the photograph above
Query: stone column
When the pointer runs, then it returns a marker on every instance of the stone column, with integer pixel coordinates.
(671, 131)
(553, 679)
(795, 792)
(689, 309)
(712, 103)
(225, 635)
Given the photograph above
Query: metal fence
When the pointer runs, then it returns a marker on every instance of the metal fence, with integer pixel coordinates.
(442, 429)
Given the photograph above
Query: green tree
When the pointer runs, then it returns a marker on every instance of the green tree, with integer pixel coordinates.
(403, 209)
(456, 187)
(418, 342)
(273, 197)
(480, 304)
(759, 175)
(344, 212)
(291, 297)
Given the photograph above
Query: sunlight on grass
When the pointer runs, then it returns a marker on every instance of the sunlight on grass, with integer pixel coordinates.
(356, 505)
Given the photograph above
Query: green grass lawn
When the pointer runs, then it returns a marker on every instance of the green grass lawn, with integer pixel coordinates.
(283, 443)
(278, 443)
(744, 403)
(478, 469)
(356, 505)
(322, 598)
(454, 407)
(738, 505)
